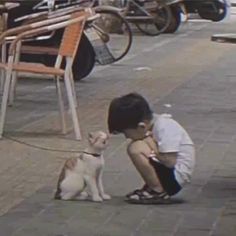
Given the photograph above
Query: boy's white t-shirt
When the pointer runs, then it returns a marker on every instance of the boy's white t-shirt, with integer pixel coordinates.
(172, 137)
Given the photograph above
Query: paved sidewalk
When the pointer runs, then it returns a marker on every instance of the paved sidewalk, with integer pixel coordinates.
(201, 89)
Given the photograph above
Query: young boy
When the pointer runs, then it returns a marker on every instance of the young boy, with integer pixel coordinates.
(160, 148)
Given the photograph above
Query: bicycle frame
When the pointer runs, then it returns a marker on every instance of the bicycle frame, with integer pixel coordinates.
(151, 17)
(134, 18)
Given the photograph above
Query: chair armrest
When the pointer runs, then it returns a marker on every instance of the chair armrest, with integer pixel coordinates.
(47, 14)
(44, 29)
(31, 16)
(8, 6)
(20, 29)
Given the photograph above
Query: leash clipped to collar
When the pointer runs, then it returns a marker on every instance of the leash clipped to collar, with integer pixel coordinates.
(92, 154)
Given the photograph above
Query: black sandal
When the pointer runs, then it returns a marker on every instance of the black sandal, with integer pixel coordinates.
(148, 196)
(136, 191)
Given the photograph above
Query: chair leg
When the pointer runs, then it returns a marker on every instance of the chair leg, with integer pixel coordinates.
(73, 87)
(13, 88)
(14, 75)
(72, 105)
(61, 105)
(1, 80)
(3, 60)
(5, 100)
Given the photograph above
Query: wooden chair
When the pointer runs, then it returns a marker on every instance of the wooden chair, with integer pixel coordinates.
(10, 34)
(28, 22)
(68, 47)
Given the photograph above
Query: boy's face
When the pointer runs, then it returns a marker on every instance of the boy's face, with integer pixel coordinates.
(137, 133)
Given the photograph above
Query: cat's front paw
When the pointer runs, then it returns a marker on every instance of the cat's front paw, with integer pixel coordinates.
(97, 199)
(106, 197)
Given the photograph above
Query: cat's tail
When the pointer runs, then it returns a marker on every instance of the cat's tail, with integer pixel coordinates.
(60, 179)
(57, 195)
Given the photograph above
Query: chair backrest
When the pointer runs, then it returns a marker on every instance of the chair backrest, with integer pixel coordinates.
(71, 37)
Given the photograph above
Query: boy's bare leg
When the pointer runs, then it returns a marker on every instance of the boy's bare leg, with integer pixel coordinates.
(138, 152)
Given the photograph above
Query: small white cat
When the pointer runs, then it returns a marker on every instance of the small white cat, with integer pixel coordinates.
(84, 171)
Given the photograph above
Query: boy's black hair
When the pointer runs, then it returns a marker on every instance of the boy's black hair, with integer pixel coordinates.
(127, 111)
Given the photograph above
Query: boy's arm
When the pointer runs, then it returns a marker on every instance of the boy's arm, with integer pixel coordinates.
(167, 159)
(152, 144)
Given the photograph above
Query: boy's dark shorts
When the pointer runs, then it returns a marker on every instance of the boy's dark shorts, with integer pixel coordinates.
(167, 177)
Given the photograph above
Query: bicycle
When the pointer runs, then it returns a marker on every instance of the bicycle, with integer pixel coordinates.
(110, 27)
(151, 17)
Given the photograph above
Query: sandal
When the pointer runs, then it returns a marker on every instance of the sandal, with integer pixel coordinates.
(136, 191)
(148, 196)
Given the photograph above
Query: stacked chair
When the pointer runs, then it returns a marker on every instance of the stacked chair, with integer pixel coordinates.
(73, 22)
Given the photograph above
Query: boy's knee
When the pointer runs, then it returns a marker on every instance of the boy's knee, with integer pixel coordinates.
(136, 148)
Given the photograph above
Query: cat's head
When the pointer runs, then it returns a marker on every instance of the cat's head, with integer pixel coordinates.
(98, 140)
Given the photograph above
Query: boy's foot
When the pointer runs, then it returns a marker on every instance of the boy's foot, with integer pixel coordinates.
(148, 196)
(137, 191)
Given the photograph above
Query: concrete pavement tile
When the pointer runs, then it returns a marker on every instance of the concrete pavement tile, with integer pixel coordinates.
(200, 133)
(62, 218)
(218, 188)
(198, 142)
(227, 173)
(232, 148)
(8, 225)
(150, 232)
(202, 122)
(208, 203)
(192, 232)
(127, 181)
(226, 223)
(159, 220)
(212, 150)
(23, 213)
(41, 229)
(226, 226)
(231, 203)
(200, 219)
(114, 230)
(226, 129)
(221, 138)
(125, 220)
(229, 159)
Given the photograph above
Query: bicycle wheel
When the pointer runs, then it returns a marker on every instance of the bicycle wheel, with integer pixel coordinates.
(161, 18)
(115, 32)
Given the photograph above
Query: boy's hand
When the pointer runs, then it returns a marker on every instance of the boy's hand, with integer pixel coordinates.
(167, 159)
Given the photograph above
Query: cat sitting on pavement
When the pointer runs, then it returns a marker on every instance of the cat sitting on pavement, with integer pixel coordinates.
(84, 171)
